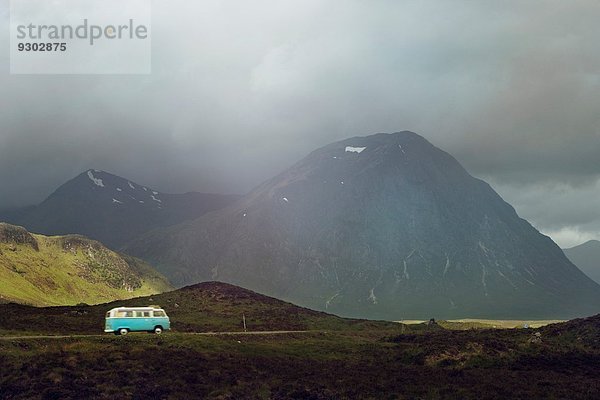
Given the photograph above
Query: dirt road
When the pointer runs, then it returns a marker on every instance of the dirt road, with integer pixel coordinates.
(182, 333)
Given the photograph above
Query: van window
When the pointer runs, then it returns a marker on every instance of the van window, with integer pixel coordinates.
(124, 314)
(159, 313)
(108, 314)
(142, 314)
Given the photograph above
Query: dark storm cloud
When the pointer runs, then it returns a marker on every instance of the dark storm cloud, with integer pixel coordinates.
(241, 90)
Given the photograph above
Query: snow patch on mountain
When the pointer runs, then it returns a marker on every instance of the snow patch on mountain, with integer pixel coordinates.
(328, 302)
(447, 264)
(155, 199)
(372, 296)
(97, 182)
(350, 149)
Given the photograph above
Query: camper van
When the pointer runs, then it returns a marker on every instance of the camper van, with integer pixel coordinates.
(122, 320)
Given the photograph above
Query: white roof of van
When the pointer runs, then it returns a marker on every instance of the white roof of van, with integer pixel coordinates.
(137, 308)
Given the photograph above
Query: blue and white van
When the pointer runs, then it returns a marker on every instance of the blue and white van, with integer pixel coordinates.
(122, 320)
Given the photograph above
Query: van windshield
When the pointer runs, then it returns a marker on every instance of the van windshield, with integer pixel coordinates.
(159, 314)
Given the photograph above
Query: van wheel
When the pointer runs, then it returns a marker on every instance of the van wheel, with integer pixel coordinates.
(123, 331)
(158, 330)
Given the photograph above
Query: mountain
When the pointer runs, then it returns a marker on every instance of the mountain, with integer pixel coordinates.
(112, 209)
(63, 270)
(384, 226)
(204, 307)
(587, 257)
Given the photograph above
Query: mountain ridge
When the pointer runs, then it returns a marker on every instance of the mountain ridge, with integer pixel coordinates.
(112, 209)
(587, 257)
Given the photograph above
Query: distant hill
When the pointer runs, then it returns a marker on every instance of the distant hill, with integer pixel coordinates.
(111, 209)
(62, 270)
(204, 307)
(587, 257)
(386, 226)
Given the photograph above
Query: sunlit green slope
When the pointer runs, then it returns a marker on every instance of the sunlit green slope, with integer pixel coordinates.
(66, 270)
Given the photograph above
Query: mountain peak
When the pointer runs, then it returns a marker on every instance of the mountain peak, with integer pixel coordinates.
(113, 209)
(103, 179)
(380, 140)
(362, 162)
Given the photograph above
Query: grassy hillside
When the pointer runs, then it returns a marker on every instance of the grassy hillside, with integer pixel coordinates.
(205, 307)
(67, 270)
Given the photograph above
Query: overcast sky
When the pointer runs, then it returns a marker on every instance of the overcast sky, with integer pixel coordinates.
(240, 90)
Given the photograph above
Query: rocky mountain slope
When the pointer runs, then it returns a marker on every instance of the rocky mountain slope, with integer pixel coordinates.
(383, 226)
(111, 209)
(587, 257)
(66, 270)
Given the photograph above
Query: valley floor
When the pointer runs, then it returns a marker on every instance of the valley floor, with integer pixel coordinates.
(562, 362)
(468, 323)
